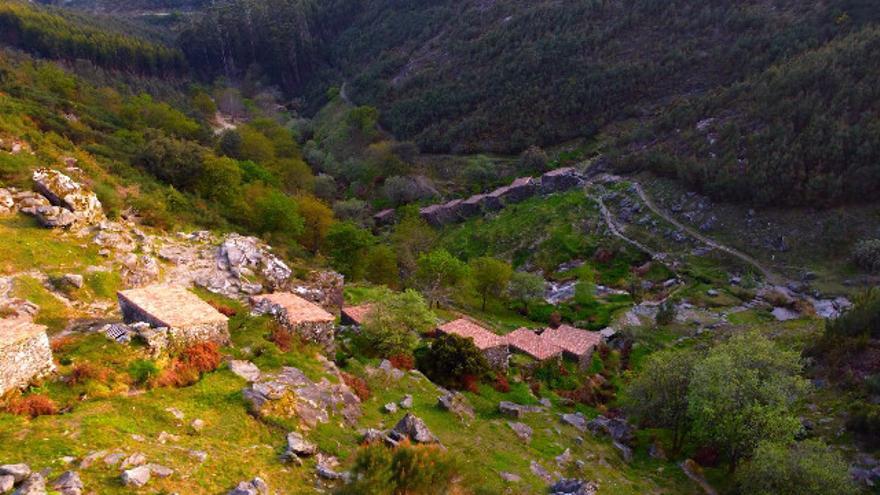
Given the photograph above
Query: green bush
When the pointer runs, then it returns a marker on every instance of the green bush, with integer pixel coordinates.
(405, 470)
(142, 371)
(452, 360)
(866, 254)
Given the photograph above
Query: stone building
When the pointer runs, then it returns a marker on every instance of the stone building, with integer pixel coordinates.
(175, 312)
(437, 215)
(494, 347)
(355, 315)
(520, 190)
(472, 206)
(561, 179)
(384, 217)
(298, 315)
(575, 343)
(25, 354)
(531, 344)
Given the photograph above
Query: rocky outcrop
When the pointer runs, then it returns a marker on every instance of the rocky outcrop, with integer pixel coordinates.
(290, 393)
(322, 287)
(297, 447)
(255, 486)
(25, 354)
(245, 256)
(245, 369)
(64, 192)
(54, 217)
(456, 404)
(136, 477)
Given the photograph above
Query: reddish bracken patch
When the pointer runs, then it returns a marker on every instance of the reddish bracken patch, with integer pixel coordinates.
(470, 383)
(281, 338)
(33, 405)
(178, 374)
(603, 255)
(402, 362)
(225, 310)
(60, 343)
(83, 372)
(357, 385)
(202, 357)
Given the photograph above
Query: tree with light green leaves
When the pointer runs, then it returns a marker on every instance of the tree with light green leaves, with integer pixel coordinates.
(802, 468)
(437, 273)
(524, 288)
(489, 277)
(393, 326)
(657, 396)
(741, 394)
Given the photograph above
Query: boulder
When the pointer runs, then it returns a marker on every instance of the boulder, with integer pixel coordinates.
(68, 483)
(574, 487)
(63, 191)
(328, 473)
(54, 217)
(514, 410)
(7, 203)
(390, 407)
(19, 472)
(618, 429)
(297, 446)
(35, 484)
(159, 470)
(245, 369)
(136, 477)
(372, 435)
(7, 482)
(406, 402)
(413, 428)
(510, 477)
(578, 420)
(241, 255)
(138, 459)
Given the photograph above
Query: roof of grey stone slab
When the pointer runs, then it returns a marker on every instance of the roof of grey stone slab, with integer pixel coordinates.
(173, 306)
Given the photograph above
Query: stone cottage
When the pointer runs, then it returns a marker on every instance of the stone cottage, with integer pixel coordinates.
(561, 179)
(298, 315)
(520, 190)
(493, 346)
(575, 343)
(355, 315)
(25, 354)
(472, 206)
(176, 312)
(525, 341)
(384, 217)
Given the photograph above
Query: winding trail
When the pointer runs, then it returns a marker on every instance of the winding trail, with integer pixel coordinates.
(766, 272)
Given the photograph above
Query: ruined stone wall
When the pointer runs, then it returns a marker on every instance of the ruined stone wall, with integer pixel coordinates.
(319, 332)
(25, 360)
(217, 332)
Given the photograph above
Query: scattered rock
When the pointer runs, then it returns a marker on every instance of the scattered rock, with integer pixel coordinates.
(329, 474)
(54, 217)
(136, 477)
(90, 458)
(199, 455)
(73, 280)
(457, 404)
(240, 255)
(563, 458)
(413, 428)
(540, 472)
(297, 446)
(197, 424)
(522, 430)
(618, 429)
(372, 435)
(114, 458)
(245, 369)
(390, 407)
(574, 487)
(136, 459)
(68, 483)
(19, 472)
(165, 437)
(514, 410)
(35, 484)
(577, 420)
(64, 192)
(177, 413)
(255, 486)
(510, 477)
(159, 470)
(406, 402)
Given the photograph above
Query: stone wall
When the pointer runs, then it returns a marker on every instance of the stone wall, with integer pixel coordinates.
(498, 357)
(201, 332)
(24, 359)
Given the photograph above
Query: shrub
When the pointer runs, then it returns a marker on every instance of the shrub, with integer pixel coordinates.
(202, 357)
(402, 361)
(806, 468)
(866, 255)
(501, 384)
(142, 371)
(453, 361)
(227, 311)
(61, 343)
(83, 372)
(864, 420)
(358, 385)
(405, 470)
(178, 374)
(393, 326)
(33, 405)
(665, 313)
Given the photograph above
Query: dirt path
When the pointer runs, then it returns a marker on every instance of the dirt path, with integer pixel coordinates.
(767, 273)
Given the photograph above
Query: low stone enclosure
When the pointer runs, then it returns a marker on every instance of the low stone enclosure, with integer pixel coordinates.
(298, 315)
(176, 316)
(25, 354)
(493, 346)
(558, 180)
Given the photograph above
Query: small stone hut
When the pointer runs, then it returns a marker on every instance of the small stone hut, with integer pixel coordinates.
(298, 315)
(384, 217)
(355, 315)
(187, 318)
(528, 342)
(561, 179)
(472, 206)
(494, 347)
(25, 354)
(575, 343)
(520, 190)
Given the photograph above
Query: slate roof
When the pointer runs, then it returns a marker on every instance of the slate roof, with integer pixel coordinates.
(528, 342)
(522, 181)
(357, 314)
(573, 340)
(172, 306)
(560, 171)
(298, 309)
(483, 339)
(15, 330)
